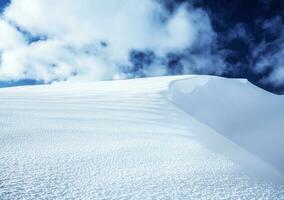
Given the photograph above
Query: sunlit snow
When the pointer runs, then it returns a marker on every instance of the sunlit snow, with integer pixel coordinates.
(121, 140)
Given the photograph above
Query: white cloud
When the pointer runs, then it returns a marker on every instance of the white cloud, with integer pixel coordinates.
(74, 27)
(10, 38)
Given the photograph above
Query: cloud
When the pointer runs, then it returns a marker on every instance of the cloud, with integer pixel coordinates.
(93, 39)
(269, 55)
(10, 37)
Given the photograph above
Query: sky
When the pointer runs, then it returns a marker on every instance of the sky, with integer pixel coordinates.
(42, 41)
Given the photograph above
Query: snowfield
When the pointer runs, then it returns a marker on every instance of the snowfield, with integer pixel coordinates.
(131, 139)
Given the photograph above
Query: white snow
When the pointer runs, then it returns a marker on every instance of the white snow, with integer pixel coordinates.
(121, 140)
(242, 112)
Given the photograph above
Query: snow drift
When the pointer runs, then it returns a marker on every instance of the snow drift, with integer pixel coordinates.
(123, 140)
(242, 112)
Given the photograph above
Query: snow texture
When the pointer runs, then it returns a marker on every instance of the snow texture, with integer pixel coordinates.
(119, 140)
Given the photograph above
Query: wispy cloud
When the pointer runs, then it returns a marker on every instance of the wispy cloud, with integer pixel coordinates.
(269, 55)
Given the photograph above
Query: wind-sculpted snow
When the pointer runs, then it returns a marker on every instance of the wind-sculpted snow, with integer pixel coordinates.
(117, 140)
(249, 116)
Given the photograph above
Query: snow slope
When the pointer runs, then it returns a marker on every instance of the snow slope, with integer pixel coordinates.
(242, 112)
(119, 140)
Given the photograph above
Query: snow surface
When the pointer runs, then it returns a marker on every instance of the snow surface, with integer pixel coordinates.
(242, 112)
(120, 140)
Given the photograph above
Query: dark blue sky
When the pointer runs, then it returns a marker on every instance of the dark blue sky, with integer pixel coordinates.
(249, 15)
(3, 4)
(227, 17)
